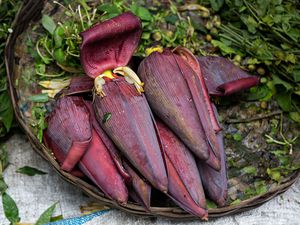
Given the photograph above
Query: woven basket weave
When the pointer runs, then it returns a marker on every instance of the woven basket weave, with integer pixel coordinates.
(31, 11)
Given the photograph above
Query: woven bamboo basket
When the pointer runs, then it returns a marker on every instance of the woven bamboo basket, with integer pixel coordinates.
(31, 11)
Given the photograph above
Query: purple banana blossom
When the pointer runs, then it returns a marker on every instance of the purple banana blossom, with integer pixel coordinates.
(69, 126)
(109, 46)
(223, 78)
(174, 93)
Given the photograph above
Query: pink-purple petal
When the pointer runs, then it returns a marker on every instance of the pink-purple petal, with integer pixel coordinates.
(109, 44)
(69, 128)
(222, 77)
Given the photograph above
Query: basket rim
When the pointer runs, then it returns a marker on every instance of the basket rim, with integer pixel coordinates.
(31, 10)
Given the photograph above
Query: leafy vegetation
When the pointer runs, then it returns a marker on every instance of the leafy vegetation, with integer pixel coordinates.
(10, 207)
(8, 9)
(3, 165)
(30, 171)
(258, 159)
(45, 217)
(263, 36)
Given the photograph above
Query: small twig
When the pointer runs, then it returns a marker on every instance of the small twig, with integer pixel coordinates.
(258, 117)
(49, 75)
(61, 5)
(93, 15)
(80, 16)
(44, 58)
(71, 53)
(92, 207)
(285, 142)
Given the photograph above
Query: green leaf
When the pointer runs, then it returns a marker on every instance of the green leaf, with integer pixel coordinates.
(58, 36)
(274, 174)
(59, 55)
(5, 101)
(257, 93)
(211, 204)
(294, 33)
(279, 153)
(40, 134)
(223, 47)
(39, 98)
(250, 170)
(296, 75)
(295, 116)
(216, 4)
(260, 187)
(146, 35)
(237, 137)
(285, 160)
(6, 111)
(253, 61)
(250, 22)
(46, 215)
(106, 117)
(268, 19)
(10, 209)
(3, 84)
(285, 46)
(109, 16)
(3, 158)
(48, 24)
(291, 58)
(30, 171)
(3, 186)
(38, 114)
(236, 202)
(294, 167)
(40, 68)
(172, 19)
(56, 218)
(279, 81)
(109, 8)
(7, 118)
(284, 100)
(262, 50)
(249, 192)
(141, 12)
